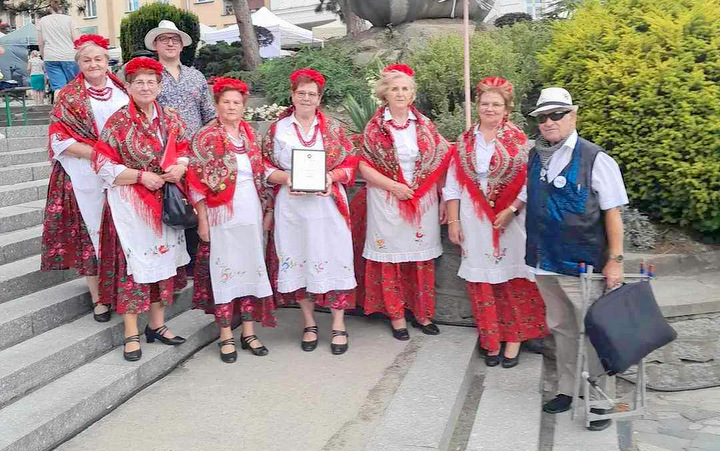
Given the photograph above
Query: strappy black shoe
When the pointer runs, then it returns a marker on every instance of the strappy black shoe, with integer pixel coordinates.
(428, 329)
(158, 334)
(493, 360)
(230, 357)
(132, 356)
(400, 334)
(339, 349)
(309, 346)
(245, 344)
(101, 317)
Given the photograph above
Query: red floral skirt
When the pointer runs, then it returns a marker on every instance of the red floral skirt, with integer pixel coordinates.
(247, 308)
(390, 288)
(65, 240)
(512, 311)
(117, 288)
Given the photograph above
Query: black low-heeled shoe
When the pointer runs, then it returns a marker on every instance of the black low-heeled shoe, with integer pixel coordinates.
(158, 334)
(492, 360)
(309, 346)
(132, 356)
(427, 329)
(260, 351)
(101, 317)
(230, 357)
(339, 349)
(400, 334)
(509, 362)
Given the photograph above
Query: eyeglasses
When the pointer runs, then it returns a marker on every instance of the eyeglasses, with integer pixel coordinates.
(166, 39)
(310, 95)
(145, 84)
(555, 116)
(494, 105)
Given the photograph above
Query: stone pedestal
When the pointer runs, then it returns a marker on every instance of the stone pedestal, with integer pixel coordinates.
(383, 12)
(452, 305)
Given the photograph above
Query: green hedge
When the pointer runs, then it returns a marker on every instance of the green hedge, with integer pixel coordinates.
(647, 78)
(135, 26)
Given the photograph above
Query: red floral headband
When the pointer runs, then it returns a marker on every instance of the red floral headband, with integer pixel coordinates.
(143, 62)
(94, 38)
(495, 83)
(221, 84)
(312, 74)
(404, 68)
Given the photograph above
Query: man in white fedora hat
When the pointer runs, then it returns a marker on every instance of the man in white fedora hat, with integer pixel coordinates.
(183, 88)
(575, 191)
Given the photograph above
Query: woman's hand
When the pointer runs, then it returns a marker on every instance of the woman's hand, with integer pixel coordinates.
(456, 233)
(402, 191)
(174, 173)
(442, 212)
(503, 219)
(328, 186)
(151, 181)
(203, 229)
(268, 221)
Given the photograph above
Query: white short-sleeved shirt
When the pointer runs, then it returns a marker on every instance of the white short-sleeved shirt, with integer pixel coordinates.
(57, 35)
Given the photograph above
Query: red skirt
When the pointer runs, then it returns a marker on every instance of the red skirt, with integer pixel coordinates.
(65, 240)
(390, 288)
(118, 289)
(512, 311)
(248, 308)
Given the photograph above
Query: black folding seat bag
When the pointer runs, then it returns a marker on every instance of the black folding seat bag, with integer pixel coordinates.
(625, 325)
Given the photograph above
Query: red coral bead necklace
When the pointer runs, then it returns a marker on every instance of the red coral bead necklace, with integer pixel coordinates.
(305, 143)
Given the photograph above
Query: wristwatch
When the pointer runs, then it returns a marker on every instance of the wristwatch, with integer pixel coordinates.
(515, 211)
(617, 258)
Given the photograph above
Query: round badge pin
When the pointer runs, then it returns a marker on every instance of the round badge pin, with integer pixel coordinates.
(560, 181)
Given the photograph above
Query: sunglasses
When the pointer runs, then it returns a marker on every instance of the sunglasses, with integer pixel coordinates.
(555, 116)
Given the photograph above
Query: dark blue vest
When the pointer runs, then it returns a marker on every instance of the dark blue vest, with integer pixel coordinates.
(565, 225)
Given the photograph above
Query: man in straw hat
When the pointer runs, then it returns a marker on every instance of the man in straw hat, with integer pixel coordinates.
(183, 88)
(575, 191)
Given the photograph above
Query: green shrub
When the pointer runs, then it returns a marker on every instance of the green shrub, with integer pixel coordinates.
(511, 19)
(342, 75)
(217, 59)
(647, 79)
(135, 26)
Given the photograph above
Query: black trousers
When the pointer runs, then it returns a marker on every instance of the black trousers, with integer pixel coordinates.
(191, 243)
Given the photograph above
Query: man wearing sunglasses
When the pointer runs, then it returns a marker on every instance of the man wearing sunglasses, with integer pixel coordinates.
(575, 191)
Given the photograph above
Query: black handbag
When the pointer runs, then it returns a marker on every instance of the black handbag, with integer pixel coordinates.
(625, 325)
(178, 213)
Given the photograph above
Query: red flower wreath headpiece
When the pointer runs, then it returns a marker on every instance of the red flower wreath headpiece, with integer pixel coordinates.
(94, 38)
(404, 68)
(495, 83)
(143, 62)
(312, 74)
(220, 84)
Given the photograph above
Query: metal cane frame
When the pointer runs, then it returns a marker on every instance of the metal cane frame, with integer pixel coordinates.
(584, 380)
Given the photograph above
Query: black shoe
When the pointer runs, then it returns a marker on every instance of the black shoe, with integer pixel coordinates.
(339, 349)
(400, 334)
(559, 404)
(309, 346)
(101, 317)
(158, 334)
(230, 357)
(599, 425)
(245, 344)
(508, 362)
(132, 356)
(492, 360)
(427, 329)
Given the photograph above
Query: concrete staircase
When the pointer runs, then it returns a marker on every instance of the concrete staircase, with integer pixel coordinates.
(36, 114)
(59, 369)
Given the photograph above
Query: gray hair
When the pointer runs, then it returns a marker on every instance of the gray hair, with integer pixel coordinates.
(382, 86)
(85, 45)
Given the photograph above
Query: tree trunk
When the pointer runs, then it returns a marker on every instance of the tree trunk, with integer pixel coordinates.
(251, 49)
(353, 23)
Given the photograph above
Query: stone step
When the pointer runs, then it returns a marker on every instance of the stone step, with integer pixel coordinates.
(39, 312)
(20, 244)
(22, 277)
(674, 264)
(21, 216)
(573, 436)
(39, 360)
(23, 143)
(508, 416)
(688, 294)
(430, 396)
(44, 122)
(56, 412)
(25, 173)
(22, 131)
(20, 193)
(17, 157)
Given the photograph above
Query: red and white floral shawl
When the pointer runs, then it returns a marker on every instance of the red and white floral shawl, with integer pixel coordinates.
(507, 173)
(379, 152)
(72, 114)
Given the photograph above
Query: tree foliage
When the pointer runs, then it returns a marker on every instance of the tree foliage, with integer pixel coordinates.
(135, 26)
(511, 19)
(647, 78)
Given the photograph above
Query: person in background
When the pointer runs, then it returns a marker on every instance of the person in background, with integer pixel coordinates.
(184, 89)
(56, 37)
(36, 69)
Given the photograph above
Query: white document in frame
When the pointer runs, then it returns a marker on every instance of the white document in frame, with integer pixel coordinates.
(308, 170)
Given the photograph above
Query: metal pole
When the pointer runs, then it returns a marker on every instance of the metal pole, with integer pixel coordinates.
(468, 100)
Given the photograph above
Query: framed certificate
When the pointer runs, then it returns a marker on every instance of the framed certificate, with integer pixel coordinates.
(308, 170)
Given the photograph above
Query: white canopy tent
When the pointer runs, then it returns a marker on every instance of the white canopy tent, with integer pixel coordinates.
(335, 29)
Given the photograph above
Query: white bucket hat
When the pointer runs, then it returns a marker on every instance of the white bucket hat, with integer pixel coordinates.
(165, 26)
(553, 99)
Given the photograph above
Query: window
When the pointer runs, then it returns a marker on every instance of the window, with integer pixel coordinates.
(228, 8)
(204, 1)
(133, 5)
(90, 9)
(87, 30)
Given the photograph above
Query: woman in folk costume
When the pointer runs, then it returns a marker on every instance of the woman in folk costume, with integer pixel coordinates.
(485, 191)
(226, 177)
(71, 228)
(142, 147)
(310, 256)
(403, 160)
